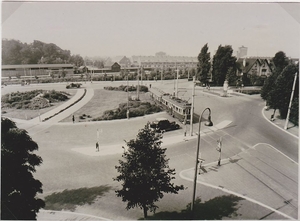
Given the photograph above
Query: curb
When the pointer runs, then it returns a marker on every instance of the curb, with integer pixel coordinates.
(263, 113)
(75, 102)
(53, 212)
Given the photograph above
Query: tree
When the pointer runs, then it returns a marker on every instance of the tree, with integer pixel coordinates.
(231, 76)
(77, 60)
(63, 73)
(280, 61)
(145, 172)
(203, 65)
(281, 93)
(222, 61)
(294, 117)
(18, 162)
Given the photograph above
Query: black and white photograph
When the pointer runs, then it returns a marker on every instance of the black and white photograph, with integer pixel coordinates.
(150, 110)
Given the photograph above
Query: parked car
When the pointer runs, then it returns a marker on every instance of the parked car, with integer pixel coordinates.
(163, 124)
(73, 85)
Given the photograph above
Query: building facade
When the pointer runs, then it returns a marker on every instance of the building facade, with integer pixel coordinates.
(163, 61)
(255, 66)
(28, 70)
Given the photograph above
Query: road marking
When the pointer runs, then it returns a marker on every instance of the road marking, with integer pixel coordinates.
(275, 150)
(262, 112)
(234, 193)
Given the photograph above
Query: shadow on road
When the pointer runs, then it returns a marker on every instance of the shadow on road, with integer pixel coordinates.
(216, 208)
(69, 199)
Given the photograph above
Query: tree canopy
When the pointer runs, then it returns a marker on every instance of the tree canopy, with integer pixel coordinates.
(280, 61)
(15, 52)
(280, 95)
(144, 172)
(222, 62)
(203, 66)
(18, 162)
(277, 88)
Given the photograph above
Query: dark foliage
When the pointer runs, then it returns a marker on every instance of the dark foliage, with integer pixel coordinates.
(281, 94)
(136, 109)
(277, 88)
(16, 52)
(203, 65)
(32, 100)
(222, 61)
(18, 162)
(294, 117)
(144, 172)
(142, 88)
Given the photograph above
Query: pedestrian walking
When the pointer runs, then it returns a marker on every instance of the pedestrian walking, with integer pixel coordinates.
(200, 166)
(73, 119)
(219, 149)
(97, 146)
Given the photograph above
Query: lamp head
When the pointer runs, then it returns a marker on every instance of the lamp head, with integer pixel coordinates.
(209, 123)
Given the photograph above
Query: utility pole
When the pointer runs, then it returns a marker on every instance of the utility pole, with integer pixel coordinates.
(142, 70)
(138, 86)
(192, 108)
(290, 104)
(177, 84)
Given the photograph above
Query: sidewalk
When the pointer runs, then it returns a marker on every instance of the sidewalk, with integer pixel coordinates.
(168, 139)
(292, 129)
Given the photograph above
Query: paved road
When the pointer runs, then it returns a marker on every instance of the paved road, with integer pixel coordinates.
(65, 168)
(248, 129)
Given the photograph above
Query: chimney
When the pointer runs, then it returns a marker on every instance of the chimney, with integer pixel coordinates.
(244, 62)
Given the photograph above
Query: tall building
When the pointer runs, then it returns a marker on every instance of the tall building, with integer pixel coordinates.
(242, 52)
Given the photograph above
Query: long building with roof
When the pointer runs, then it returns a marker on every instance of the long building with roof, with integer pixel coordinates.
(161, 60)
(34, 69)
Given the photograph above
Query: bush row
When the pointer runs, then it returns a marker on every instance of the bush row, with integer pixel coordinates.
(136, 109)
(142, 88)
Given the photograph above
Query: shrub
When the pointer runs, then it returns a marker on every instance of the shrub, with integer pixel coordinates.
(30, 100)
(136, 109)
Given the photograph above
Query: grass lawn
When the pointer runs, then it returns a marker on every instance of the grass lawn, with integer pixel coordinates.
(104, 100)
(27, 114)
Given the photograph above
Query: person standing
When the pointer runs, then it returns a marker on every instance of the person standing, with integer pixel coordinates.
(97, 146)
(73, 119)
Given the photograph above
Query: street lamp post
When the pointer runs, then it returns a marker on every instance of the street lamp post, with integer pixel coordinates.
(209, 123)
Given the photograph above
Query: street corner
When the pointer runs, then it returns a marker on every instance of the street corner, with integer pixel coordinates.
(101, 151)
(274, 119)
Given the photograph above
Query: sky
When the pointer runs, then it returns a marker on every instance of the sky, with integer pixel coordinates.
(145, 28)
